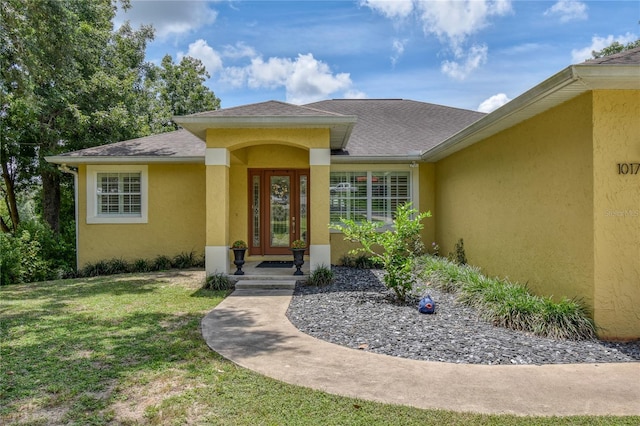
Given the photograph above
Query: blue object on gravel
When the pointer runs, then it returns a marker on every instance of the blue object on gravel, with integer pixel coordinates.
(427, 305)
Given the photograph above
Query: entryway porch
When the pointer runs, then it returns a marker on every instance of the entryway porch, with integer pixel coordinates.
(267, 278)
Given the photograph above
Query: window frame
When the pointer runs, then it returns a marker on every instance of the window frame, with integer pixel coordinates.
(369, 171)
(93, 217)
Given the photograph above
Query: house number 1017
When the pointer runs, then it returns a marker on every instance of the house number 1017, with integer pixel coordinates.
(628, 168)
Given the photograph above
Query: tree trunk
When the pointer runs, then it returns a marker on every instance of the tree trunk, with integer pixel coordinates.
(10, 199)
(51, 199)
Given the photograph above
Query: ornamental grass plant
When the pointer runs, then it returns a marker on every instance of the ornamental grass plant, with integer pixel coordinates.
(508, 304)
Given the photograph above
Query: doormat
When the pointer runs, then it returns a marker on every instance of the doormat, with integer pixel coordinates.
(275, 264)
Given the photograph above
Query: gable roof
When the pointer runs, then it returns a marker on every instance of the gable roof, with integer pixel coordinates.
(178, 146)
(396, 127)
(271, 114)
(617, 72)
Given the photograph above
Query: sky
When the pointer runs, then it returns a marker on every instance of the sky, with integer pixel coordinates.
(471, 54)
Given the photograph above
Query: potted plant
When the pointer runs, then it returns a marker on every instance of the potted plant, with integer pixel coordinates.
(239, 247)
(298, 248)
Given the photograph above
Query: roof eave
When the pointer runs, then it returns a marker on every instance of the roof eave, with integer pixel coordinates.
(339, 126)
(375, 159)
(559, 88)
(88, 159)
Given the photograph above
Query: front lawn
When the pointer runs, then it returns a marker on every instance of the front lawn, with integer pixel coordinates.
(127, 349)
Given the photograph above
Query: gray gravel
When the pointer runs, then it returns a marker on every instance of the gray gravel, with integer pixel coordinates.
(358, 312)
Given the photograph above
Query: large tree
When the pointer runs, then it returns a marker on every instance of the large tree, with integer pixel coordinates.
(69, 81)
(615, 47)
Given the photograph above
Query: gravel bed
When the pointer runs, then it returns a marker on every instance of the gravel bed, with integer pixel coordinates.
(358, 312)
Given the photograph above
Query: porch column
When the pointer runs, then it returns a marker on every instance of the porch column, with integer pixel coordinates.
(217, 205)
(319, 247)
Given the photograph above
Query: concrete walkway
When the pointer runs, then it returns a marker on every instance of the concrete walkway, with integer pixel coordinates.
(250, 328)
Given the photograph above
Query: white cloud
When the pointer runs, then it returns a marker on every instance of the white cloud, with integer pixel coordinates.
(313, 80)
(493, 103)
(390, 9)
(451, 21)
(568, 10)
(168, 17)
(201, 50)
(599, 43)
(270, 74)
(398, 50)
(239, 50)
(468, 62)
(355, 94)
(304, 78)
(455, 20)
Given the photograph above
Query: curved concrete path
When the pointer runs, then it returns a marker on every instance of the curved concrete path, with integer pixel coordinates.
(251, 329)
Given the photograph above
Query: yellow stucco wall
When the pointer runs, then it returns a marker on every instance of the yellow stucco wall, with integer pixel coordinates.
(427, 201)
(240, 138)
(616, 139)
(175, 224)
(522, 200)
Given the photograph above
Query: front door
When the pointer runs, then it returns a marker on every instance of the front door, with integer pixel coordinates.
(279, 214)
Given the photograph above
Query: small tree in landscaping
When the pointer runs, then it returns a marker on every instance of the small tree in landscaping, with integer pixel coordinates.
(399, 245)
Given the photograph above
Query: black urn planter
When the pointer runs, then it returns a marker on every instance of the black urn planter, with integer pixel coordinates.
(238, 260)
(298, 259)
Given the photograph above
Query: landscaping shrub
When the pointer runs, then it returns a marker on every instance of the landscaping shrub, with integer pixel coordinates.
(218, 281)
(141, 265)
(399, 246)
(508, 304)
(361, 261)
(161, 263)
(321, 276)
(21, 259)
(185, 260)
(459, 256)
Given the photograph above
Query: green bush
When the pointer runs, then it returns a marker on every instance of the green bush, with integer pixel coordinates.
(361, 261)
(185, 260)
(161, 263)
(321, 276)
(218, 281)
(459, 256)
(508, 304)
(399, 246)
(21, 259)
(141, 265)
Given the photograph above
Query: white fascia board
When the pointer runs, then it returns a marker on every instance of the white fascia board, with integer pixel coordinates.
(559, 88)
(122, 160)
(386, 159)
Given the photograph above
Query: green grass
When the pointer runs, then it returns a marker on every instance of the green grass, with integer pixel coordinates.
(508, 304)
(128, 350)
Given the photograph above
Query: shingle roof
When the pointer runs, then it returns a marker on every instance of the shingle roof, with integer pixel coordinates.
(266, 109)
(397, 126)
(384, 127)
(177, 144)
(627, 57)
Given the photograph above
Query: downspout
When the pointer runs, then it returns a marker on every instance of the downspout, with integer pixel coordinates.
(66, 169)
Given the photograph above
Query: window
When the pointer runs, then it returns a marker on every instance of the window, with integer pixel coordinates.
(368, 195)
(119, 193)
(116, 194)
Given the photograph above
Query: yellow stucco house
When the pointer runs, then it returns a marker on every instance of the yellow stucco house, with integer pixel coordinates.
(544, 190)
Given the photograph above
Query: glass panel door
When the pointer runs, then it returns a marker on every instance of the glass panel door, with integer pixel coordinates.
(279, 211)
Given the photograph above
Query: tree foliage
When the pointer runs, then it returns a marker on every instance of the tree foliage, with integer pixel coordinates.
(395, 249)
(69, 81)
(614, 48)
